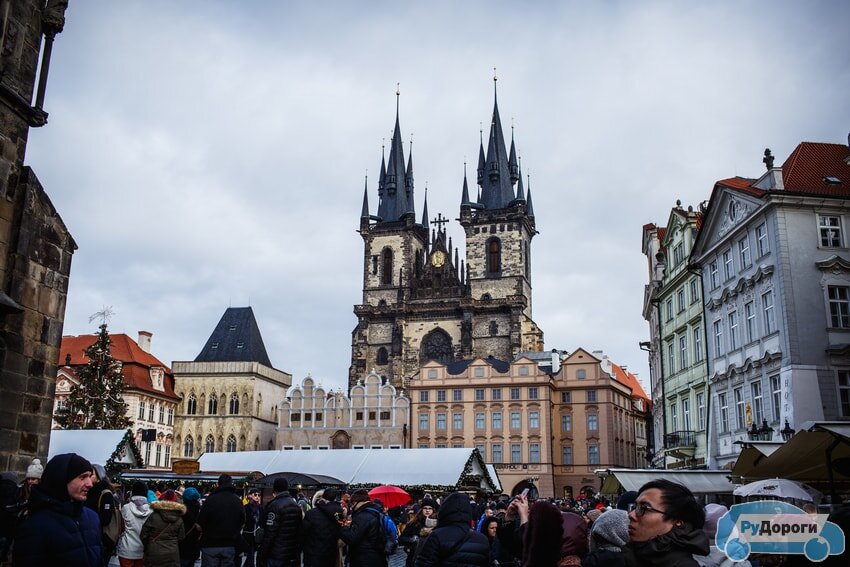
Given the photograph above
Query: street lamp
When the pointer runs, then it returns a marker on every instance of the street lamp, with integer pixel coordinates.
(786, 432)
(765, 432)
(753, 432)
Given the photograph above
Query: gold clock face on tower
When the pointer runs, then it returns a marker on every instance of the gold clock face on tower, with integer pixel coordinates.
(438, 258)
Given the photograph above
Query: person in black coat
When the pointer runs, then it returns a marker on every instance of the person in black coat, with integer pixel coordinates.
(221, 520)
(282, 529)
(59, 529)
(190, 545)
(322, 526)
(365, 534)
(453, 543)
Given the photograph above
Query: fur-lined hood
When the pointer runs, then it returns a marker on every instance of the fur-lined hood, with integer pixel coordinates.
(168, 506)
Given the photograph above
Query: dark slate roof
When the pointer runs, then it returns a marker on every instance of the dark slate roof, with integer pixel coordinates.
(460, 366)
(236, 338)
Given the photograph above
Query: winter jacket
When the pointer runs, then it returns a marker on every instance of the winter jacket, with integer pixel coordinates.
(190, 547)
(676, 548)
(453, 543)
(135, 513)
(717, 558)
(321, 527)
(365, 537)
(221, 518)
(58, 531)
(282, 531)
(604, 558)
(162, 533)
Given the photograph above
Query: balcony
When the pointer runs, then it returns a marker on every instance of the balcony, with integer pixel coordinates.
(680, 444)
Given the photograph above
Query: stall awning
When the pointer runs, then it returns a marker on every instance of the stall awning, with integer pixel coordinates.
(752, 453)
(699, 482)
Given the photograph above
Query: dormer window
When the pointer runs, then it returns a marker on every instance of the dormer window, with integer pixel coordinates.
(240, 345)
(157, 377)
(214, 346)
(233, 327)
(830, 180)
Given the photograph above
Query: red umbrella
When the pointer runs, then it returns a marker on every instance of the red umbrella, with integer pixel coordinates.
(391, 496)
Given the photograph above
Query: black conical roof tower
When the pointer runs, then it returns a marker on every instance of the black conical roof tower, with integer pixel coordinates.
(497, 185)
(397, 198)
(236, 338)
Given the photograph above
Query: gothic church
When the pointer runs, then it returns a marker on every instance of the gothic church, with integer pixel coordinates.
(420, 301)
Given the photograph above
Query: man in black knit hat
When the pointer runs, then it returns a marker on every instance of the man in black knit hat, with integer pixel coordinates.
(221, 519)
(59, 529)
(282, 529)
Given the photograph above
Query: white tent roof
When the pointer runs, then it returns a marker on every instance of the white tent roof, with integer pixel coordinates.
(404, 467)
(495, 476)
(95, 446)
(698, 481)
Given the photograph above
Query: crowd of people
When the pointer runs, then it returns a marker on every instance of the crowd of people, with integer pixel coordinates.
(67, 513)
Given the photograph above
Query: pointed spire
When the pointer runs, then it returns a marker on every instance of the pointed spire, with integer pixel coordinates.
(481, 156)
(512, 160)
(520, 196)
(425, 209)
(364, 212)
(529, 207)
(464, 198)
(497, 187)
(398, 187)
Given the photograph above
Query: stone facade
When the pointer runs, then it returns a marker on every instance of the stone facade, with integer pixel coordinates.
(371, 416)
(35, 245)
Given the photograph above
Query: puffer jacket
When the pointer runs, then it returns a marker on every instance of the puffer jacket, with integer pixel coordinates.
(453, 543)
(322, 525)
(221, 518)
(162, 533)
(676, 548)
(365, 537)
(282, 531)
(135, 514)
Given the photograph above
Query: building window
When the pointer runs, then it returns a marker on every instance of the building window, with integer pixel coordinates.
(167, 461)
(457, 420)
(767, 307)
(387, 266)
(700, 411)
(532, 393)
(209, 446)
(516, 453)
(457, 395)
(566, 423)
(432, 373)
(423, 396)
(296, 417)
(750, 314)
(678, 254)
(309, 416)
(592, 422)
(497, 420)
(497, 452)
(694, 290)
(776, 396)
(671, 358)
(358, 416)
(148, 453)
(829, 227)
(761, 240)
(151, 409)
(231, 444)
(839, 306)
(669, 308)
(567, 455)
(683, 352)
(423, 422)
(189, 447)
(712, 274)
(482, 450)
(680, 298)
(844, 392)
(697, 332)
(744, 252)
(758, 408)
(496, 394)
(441, 395)
(728, 267)
(581, 374)
(593, 454)
(441, 421)
(515, 420)
(212, 405)
(384, 416)
(686, 414)
(718, 338)
(724, 412)
(478, 372)
(523, 370)
(740, 420)
(234, 404)
(566, 397)
(733, 330)
(534, 420)
(514, 393)
(479, 394)
(170, 416)
(674, 417)
(479, 420)
(534, 452)
(494, 328)
(382, 356)
(591, 395)
(142, 410)
(494, 256)
(191, 405)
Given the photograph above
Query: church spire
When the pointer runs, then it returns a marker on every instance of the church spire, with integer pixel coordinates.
(425, 222)
(497, 189)
(364, 212)
(397, 199)
(512, 160)
(481, 157)
(520, 195)
(529, 207)
(464, 198)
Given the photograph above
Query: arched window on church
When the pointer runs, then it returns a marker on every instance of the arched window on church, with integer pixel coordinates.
(234, 404)
(494, 328)
(259, 407)
(209, 446)
(212, 407)
(494, 256)
(382, 357)
(256, 443)
(191, 405)
(387, 266)
(437, 345)
(189, 447)
(231, 444)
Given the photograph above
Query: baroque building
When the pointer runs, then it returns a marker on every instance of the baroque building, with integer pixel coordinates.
(148, 391)
(371, 416)
(230, 391)
(651, 248)
(35, 245)
(773, 253)
(421, 301)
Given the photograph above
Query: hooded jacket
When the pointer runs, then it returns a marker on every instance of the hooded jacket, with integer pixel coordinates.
(221, 518)
(322, 526)
(282, 536)
(135, 514)
(453, 543)
(58, 530)
(676, 548)
(365, 537)
(162, 532)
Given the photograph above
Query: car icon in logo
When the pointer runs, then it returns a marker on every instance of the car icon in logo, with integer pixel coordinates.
(773, 526)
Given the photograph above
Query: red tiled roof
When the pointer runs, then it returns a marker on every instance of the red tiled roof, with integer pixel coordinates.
(627, 378)
(136, 362)
(810, 162)
(662, 230)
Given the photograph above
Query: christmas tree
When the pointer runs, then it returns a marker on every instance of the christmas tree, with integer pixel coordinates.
(97, 401)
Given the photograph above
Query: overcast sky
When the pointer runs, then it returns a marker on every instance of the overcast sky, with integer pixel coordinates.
(207, 154)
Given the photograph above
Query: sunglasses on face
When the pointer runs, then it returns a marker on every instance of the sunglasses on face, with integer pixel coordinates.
(642, 508)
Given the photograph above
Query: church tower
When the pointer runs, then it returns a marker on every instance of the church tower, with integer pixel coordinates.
(421, 300)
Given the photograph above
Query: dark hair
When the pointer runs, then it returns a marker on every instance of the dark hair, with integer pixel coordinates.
(225, 479)
(679, 502)
(486, 523)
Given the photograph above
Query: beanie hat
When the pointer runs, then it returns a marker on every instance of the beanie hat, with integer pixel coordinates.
(359, 496)
(713, 513)
(594, 514)
(280, 485)
(610, 529)
(35, 469)
(168, 496)
(191, 494)
(77, 465)
(626, 500)
(330, 494)
(429, 502)
(139, 488)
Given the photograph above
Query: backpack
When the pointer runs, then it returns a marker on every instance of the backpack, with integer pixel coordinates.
(112, 530)
(390, 532)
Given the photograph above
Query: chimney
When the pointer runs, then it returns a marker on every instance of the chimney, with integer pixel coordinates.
(556, 361)
(145, 340)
